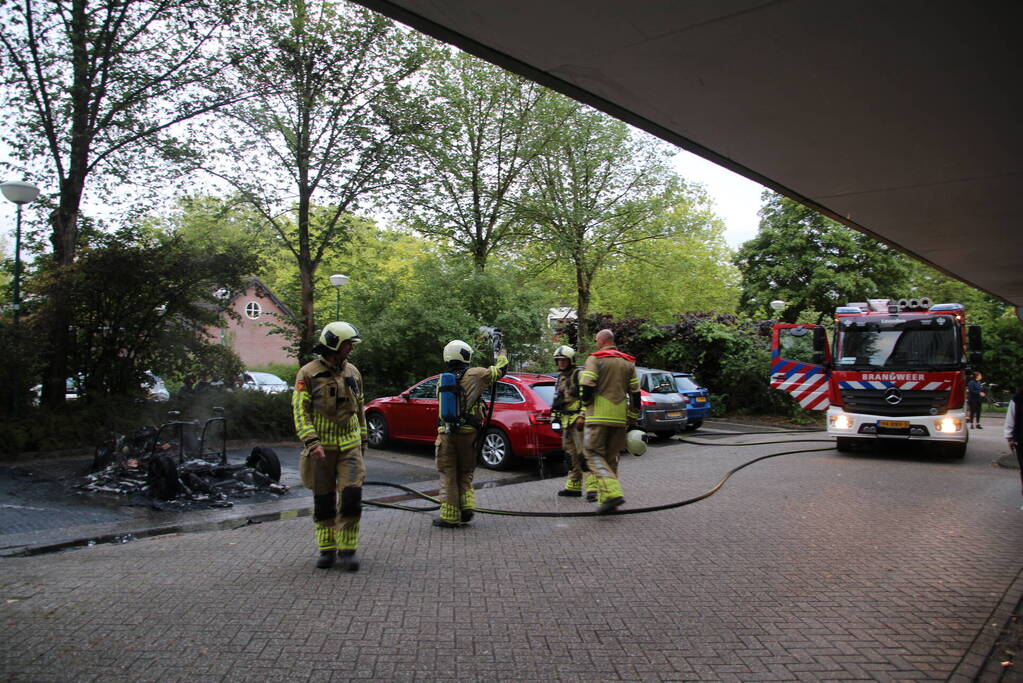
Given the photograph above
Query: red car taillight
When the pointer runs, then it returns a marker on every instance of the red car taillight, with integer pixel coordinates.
(537, 417)
(648, 402)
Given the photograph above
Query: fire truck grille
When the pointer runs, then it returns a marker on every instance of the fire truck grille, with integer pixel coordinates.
(872, 402)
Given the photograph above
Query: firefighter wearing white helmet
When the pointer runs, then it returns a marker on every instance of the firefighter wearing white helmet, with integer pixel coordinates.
(567, 410)
(327, 405)
(456, 444)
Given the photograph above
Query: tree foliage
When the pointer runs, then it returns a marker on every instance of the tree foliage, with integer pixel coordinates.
(485, 125)
(97, 88)
(813, 263)
(140, 302)
(327, 130)
(595, 191)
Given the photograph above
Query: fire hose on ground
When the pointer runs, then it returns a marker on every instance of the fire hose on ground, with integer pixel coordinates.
(630, 511)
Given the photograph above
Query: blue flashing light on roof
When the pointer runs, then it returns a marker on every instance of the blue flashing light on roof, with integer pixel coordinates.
(947, 307)
(847, 309)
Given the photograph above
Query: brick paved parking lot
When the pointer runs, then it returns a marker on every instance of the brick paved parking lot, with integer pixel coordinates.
(804, 567)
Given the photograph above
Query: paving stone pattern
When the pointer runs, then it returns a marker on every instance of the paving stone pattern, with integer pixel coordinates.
(803, 568)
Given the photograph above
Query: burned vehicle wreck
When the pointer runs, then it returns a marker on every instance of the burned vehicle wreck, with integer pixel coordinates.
(182, 461)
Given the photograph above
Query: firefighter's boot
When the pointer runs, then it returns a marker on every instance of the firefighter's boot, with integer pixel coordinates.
(573, 488)
(326, 541)
(348, 560)
(450, 517)
(610, 495)
(468, 506)
(590, 484)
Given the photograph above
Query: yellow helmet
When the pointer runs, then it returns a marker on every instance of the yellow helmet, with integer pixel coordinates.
(635, 443)
(335, 333)
(457, 350)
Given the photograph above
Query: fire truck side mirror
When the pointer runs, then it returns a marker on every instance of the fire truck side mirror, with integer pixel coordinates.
(820, 341)
(973, 337)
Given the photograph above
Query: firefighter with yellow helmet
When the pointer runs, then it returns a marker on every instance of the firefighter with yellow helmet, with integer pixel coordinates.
(568, 411)
(457, 439)
(609, 388)
(327, 405)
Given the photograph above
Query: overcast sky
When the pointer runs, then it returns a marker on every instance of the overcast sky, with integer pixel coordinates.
(736, 199)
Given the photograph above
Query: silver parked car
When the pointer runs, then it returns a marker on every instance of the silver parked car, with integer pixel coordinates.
(264, 381)
(664, 409)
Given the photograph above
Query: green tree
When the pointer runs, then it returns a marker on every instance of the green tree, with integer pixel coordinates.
(326, 131)
(597, 190)
(98, 88)
(485, 125)
(813, 263)
(140, 299)
(688, 271)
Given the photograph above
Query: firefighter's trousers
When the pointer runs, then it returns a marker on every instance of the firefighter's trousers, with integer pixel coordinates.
(572, 444)
(337, 498)
(456, 464)
(602, 445)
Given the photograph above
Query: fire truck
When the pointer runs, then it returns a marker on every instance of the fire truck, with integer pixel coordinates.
(896, 370)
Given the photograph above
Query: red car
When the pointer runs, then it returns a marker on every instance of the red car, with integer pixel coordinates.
(520, 427)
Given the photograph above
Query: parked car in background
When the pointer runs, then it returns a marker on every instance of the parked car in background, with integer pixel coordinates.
(156, 390)
(663, 410)
(520, 426)
(264, 381)
(698, 403)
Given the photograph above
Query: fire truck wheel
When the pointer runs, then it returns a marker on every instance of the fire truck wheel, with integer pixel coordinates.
(162, 477)
(845, 445)
(264, 460)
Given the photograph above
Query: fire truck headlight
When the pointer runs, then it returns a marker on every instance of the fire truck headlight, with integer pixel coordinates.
(948, 424)
(841, 421)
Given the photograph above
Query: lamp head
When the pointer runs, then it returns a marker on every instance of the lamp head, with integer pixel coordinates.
(338, 280)
(19, 192)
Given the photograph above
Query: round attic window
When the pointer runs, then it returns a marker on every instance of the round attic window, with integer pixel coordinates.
(253, 310)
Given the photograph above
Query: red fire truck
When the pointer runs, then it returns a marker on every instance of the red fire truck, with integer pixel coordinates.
(896, 371)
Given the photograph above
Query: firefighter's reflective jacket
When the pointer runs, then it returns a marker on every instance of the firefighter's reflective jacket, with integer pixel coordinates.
(327, 404)
(472, 384)
(566, 396)
(612, 374)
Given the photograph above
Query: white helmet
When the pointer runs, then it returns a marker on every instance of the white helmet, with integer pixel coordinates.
(457, 350)
(566, 352)
(335, 333)
(634, 442)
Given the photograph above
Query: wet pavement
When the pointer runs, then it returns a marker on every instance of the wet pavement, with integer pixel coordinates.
(811, 566)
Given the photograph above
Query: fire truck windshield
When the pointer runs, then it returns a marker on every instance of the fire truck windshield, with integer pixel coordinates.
(892, 344)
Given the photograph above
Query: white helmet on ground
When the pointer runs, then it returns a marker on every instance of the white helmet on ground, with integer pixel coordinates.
(335, 333)
(634, 442)
(457, 350)
(566, 352)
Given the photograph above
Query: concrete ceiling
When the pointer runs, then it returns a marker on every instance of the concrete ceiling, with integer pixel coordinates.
(900, 118)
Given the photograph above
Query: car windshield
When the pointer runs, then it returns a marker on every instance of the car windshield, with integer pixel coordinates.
(927, 343)
(686, 384)
(544, 391)
(659, 383)
(265, 378)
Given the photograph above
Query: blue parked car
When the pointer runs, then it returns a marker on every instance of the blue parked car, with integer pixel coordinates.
(698, 406)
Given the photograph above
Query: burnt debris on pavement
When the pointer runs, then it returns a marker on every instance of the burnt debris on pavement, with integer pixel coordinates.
(181, 464)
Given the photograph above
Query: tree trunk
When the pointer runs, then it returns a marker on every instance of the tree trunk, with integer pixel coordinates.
(582, 310)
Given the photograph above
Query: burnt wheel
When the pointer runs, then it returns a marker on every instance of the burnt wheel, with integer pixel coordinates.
(264, 460)
(376, 430)
(103, 457)
(496, 453)
(162, 477)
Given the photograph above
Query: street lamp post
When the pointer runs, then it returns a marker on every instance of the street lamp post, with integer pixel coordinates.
(338, 281)
(20, 193)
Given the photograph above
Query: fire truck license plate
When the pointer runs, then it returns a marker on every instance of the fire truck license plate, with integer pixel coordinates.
(893, 424)
(674, 413)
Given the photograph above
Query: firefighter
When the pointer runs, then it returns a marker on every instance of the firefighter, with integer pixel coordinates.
(568, 411)
(327, 406)
(456, 444)
(609, 389)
